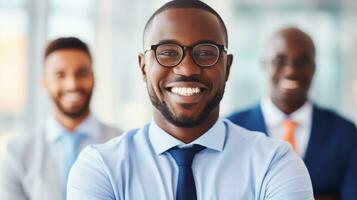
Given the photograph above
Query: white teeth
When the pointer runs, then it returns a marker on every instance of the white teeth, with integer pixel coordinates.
(185, 91)
(288, 84)
(72, 96)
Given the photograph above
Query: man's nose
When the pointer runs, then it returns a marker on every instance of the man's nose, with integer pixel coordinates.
(187, 67)
(290, 68)
(71, 83)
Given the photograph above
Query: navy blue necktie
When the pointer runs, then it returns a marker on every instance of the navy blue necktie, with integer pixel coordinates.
(186, 188)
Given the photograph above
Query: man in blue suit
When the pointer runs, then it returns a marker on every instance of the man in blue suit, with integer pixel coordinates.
(326, 141)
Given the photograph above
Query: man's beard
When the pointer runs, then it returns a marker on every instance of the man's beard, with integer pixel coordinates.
(77, 113)
(185, 121)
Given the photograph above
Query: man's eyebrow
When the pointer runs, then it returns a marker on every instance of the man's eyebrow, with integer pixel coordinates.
(163, 42)
(177, 42)
(207, 41)
(168, 41)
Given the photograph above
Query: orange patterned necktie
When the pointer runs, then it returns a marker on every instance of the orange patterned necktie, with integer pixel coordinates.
(289, 136)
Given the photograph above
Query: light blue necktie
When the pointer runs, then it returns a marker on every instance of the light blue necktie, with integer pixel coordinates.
(186, 188)
(71, 145)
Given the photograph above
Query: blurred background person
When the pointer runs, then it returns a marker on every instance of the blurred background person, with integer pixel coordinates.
(326, 141)
(36, 166)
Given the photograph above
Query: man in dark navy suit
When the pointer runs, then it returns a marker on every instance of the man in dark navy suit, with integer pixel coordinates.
(326, 141)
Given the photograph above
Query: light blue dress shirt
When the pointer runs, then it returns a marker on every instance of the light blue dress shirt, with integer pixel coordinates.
(237, 164)
(89, 128)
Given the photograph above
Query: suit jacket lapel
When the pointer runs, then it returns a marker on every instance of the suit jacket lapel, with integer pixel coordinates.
(258, 120)
(318, 129)
(42, 180)
(52, 187)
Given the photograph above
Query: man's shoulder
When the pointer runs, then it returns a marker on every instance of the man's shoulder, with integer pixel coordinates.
(253, 141)
(333, 119)
(261, 155)
(243, 114)
(334, 130)
(24, 143)
(21, 150)
(109, 131)
(116, 146)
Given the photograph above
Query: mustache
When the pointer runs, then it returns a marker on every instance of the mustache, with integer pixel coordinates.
(80, 90)
(193, 78)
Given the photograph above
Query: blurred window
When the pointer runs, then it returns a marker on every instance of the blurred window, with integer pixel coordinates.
(72, 18)
(13, 67)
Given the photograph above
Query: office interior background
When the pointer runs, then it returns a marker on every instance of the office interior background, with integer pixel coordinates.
(113, 29)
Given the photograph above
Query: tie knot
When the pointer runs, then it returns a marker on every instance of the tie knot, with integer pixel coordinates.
(184, 156)
(73, 139)
(290, 125)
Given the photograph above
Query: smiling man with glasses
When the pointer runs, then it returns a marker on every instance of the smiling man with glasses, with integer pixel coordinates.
(187, 152)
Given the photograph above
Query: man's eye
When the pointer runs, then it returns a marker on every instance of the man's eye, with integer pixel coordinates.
(302, 62)
(170, 53)
(205, 54)
(83, 73)
(59, 74)
(278, 62)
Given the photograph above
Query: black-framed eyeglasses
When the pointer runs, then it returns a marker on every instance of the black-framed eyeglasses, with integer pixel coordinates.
(300, 62)
(172, 54)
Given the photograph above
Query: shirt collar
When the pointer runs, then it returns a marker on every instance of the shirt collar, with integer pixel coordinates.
(90, 127)
(276, 116)
(162, 141)
(303, 115)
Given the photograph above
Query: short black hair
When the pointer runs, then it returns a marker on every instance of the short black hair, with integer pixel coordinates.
(186, 4)
(66, 43)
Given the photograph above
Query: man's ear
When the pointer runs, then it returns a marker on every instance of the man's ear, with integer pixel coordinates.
(229, 64)
(314, 67)
(43, 81)
(264, 64)
(141, 59)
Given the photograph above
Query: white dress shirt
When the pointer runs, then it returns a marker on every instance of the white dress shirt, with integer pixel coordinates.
(237, 164)
(274, 119)
(33, 165)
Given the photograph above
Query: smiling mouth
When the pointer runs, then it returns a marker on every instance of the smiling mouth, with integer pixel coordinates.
(289, 84)
(72, 97)
(186, 91)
